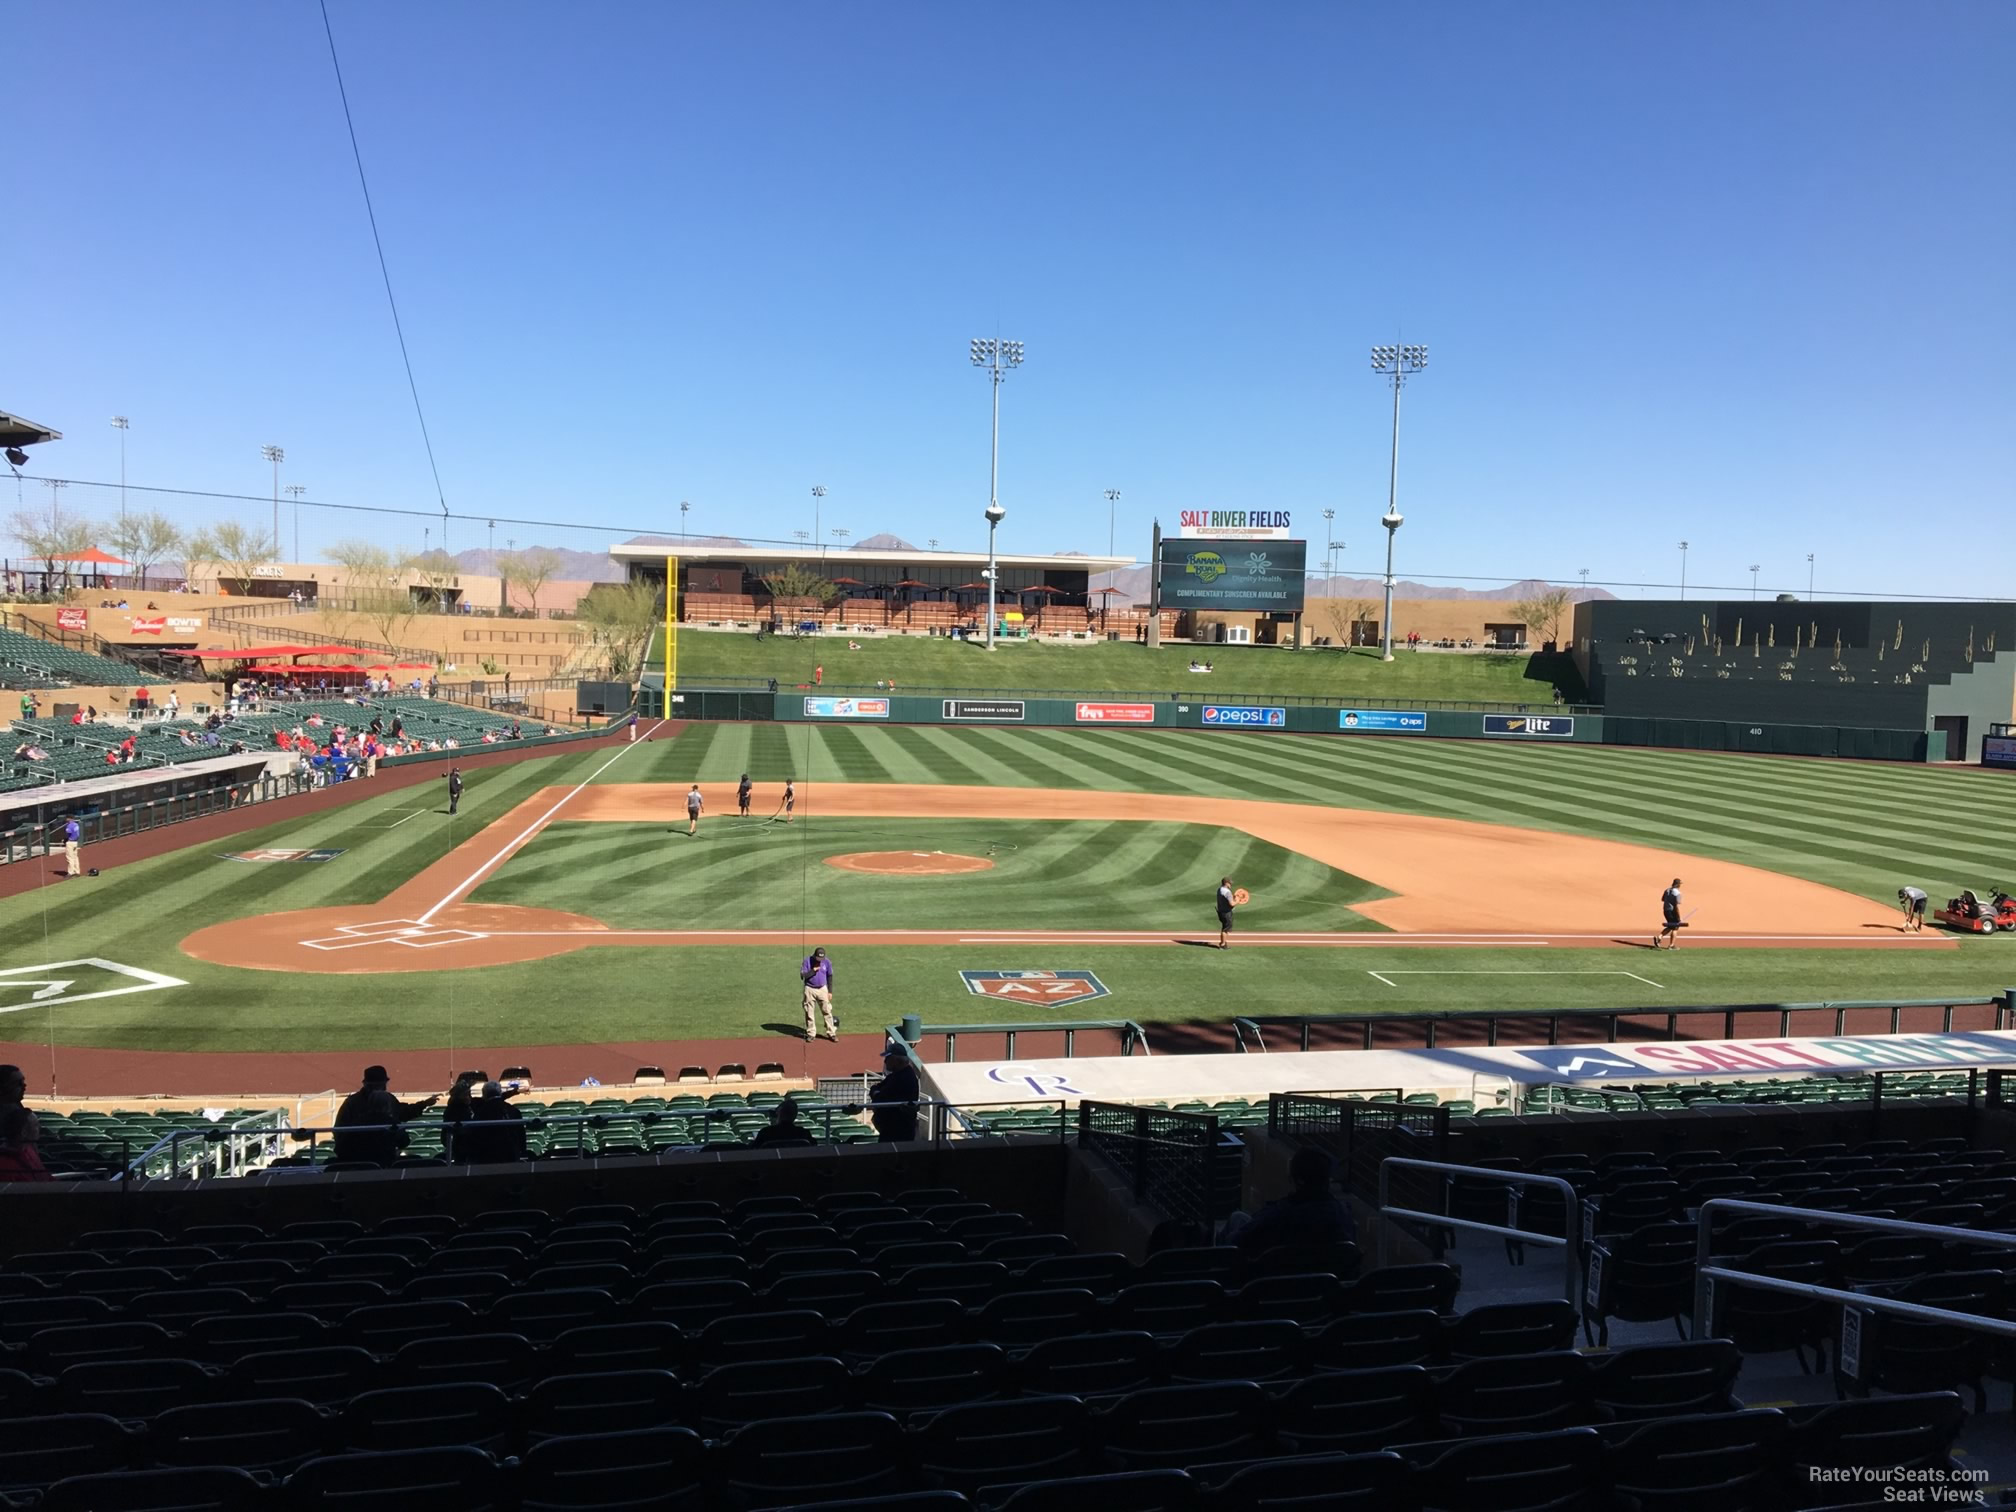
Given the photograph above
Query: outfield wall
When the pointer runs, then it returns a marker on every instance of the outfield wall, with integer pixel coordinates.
(1118, 711)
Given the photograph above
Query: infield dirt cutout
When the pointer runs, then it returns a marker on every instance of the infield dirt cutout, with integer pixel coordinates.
(1454, 883)
(910, 863)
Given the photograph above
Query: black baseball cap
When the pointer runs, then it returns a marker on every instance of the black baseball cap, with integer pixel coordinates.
(377, 1074)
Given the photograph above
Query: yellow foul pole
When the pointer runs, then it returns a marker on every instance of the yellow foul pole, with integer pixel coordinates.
(671, 632)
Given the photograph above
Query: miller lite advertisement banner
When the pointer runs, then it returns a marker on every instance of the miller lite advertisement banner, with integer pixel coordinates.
(1240, 576)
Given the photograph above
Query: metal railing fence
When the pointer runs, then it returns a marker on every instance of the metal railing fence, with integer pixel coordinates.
(1571, 1279)
(910, 1030)
(1793, 1019)
(1708, 1275)
(1170, 1158)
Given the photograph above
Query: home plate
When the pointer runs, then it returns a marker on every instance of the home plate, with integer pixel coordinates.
(409, 932)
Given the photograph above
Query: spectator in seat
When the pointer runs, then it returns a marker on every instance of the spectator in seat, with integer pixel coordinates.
(358, 1136)
(783, 1128)
(1311, 1213)
(19, 1131)
(495, 1130)
(456, 1113)
(895, 1116)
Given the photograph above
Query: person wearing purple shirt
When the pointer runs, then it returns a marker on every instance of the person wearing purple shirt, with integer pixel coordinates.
(816, 972)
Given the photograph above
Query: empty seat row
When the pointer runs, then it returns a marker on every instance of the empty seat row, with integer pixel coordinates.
(1045, 1455)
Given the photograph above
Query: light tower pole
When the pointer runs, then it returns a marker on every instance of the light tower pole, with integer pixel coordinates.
(1755, 568)
(276, 455)
(1809, 575)
(1396, 364)
(298, 489)
(1683, 571)
(121, 424)
(818, 493)
(997, 357)
(684, 506)
(1112, 507)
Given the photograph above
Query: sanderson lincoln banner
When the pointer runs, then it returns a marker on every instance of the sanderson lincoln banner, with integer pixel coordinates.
(1252, 577)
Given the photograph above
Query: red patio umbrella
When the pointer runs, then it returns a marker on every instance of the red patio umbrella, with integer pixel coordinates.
(911, 583)
(99, 558)
(1037, 588)
(847, 583)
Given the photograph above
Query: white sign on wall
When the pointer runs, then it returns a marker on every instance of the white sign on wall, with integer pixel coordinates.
(1237, 524)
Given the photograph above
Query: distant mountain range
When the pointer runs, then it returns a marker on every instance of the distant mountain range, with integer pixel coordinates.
(594, 567)
(1133, 585)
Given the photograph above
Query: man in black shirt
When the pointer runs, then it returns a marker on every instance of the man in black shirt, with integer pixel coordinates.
(1310, 1214)
(1669, 931)
(895, 1116)
(373, 1104)
(495, 1130)
(783, 1128)
(454, 788)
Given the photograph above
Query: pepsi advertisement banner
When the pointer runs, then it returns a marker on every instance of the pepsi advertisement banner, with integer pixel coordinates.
(1241, 716)
(1382, 719)
(1252, 577)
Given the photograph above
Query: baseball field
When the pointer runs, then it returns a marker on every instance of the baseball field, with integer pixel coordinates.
(565, 904)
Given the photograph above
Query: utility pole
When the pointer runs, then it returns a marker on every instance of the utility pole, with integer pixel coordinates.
(1396, 364)
(998, 358)
(276, 455)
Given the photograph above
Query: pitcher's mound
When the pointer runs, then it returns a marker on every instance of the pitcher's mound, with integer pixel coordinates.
(910, 863)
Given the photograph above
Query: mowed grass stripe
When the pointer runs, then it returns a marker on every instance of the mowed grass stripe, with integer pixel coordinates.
(1052, 875)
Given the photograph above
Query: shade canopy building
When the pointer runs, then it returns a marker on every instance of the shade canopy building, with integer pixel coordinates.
(874, 585)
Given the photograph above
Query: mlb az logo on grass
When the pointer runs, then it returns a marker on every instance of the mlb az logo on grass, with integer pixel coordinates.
(1035, 986)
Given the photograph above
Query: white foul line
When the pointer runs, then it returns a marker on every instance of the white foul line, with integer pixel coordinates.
(530, 830)
(397, 822)
(1396, 971)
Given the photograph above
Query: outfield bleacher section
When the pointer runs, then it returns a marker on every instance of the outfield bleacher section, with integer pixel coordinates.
(30, 663)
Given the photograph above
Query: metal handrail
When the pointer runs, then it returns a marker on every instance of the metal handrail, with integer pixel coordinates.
(1707, 1274)
(1571, 1269)
(925, 1107)
(1131, 1034)
(2003, 1003)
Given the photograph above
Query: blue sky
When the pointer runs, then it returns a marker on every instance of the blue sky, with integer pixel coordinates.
(1734, 274)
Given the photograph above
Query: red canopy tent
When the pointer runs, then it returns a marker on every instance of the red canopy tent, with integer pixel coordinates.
(98, 558)
(248, 651)
(292, 669)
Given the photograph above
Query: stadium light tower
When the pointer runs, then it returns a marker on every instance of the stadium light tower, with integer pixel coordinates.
(121, 424)
(1755, 568)
(298, 489)
(1112, 505)
(997, 357)
(1683, 570)
(818, 493)
(1809, 575)
(55, 499)
(684, 507)
(276, 455)
(1396, 364)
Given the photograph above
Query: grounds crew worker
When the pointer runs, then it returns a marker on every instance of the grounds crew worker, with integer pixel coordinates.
(1669, 931)
(73, 832)
(454, 788)
(1912, 901)
(816, 972)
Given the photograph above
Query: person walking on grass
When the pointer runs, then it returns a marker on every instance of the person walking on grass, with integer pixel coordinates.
(695, 804)
(454, 788)
(1225, 907)
(816, 972)
(743, 790)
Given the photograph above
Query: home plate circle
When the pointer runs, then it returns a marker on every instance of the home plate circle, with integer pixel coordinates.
(910, 863)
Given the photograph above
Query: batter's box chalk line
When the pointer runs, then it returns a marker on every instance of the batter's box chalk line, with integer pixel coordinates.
(408, 932)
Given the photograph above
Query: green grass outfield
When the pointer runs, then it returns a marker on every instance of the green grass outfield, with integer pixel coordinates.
(920, 663)
(1864, 828)
(1049, 875)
